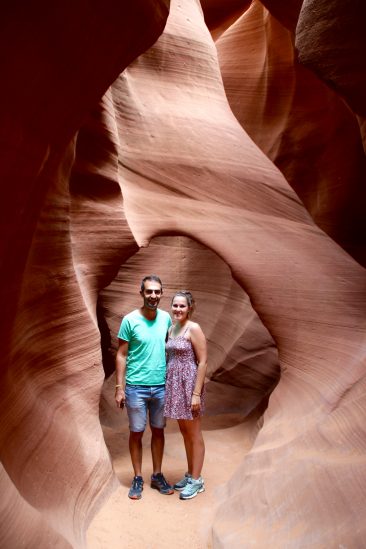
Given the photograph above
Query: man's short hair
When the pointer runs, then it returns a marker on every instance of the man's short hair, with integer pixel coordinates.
(153, 278)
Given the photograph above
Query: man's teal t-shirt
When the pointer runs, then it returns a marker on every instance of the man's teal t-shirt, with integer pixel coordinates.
(146, 363)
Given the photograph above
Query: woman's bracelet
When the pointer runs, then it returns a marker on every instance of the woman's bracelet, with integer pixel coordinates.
(196, 394)
(118, 386)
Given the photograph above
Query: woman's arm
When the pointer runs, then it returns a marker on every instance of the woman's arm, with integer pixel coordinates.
(199, 345)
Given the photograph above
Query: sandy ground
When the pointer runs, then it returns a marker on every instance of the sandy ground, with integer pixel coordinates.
(157, 521)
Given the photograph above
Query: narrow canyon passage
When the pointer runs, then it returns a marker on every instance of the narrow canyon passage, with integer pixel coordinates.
(220, 144)
(157, 521)
(242, 371)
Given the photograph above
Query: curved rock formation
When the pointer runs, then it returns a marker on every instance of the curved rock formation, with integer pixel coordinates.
(59, 60)
(298, 122)
(287, 14)
(243, 356)
(163, 160)
(220, 15)
(308, 292)
(339, 63)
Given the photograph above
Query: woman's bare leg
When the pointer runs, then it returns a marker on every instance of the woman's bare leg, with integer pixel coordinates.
(194, 444)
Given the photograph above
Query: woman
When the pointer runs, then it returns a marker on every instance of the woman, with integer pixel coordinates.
(186, 352)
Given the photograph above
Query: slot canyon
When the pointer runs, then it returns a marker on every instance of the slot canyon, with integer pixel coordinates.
(220, 144)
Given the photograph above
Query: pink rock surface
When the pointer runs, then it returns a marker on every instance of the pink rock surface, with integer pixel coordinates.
(58, 62)
(230, 198)
(243, 356)
(298, 122)
(165, 159)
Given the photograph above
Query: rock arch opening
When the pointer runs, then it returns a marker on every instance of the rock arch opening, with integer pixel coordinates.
(243, 371)
(243, 360)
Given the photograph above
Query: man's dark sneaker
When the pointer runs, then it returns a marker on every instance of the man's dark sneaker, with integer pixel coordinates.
(136, 488)
(158, 481)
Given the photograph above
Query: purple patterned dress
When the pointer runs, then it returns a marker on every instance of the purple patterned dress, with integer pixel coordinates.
(180, 379)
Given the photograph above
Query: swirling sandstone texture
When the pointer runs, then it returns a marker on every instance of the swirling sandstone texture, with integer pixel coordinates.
(243, 357)
(57, 60)
(299, 122)
(341, 65)
(186, 150)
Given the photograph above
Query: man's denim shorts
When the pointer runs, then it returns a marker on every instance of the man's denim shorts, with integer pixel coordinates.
(139, 400)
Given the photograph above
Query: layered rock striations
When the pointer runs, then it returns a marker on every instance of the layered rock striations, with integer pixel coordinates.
(175, 168)
(298, 121)
(243, 366)
(59, 60)
(234, 201)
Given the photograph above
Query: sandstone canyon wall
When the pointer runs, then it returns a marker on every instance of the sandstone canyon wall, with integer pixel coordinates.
(57, 61)
(196, 159)
(298, 121)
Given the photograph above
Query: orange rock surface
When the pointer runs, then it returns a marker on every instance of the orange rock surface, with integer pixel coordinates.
(136, 140)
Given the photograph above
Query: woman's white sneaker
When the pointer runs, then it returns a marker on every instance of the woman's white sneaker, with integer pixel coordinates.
(193, 487)
(181, 484)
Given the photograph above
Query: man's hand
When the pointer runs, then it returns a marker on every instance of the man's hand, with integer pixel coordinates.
(120, 397)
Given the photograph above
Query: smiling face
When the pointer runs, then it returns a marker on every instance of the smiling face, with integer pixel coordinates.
(151, 294)
(180, 308)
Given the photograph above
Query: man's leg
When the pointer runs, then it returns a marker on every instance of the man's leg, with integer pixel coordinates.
(157, 448)
(136, 405)
(135, 446)
(157, 424)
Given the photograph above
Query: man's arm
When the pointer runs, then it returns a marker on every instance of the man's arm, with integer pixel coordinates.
(121, 358)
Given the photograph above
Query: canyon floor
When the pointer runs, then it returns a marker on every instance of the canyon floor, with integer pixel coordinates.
(157, 521)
